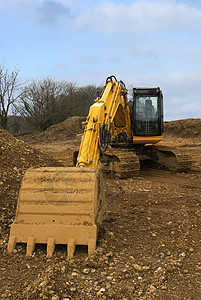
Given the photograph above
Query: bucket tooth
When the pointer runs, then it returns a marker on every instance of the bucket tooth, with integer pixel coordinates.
(71, 247)
(11, 244)
(50, 247)
(30, 246)
(91, 246)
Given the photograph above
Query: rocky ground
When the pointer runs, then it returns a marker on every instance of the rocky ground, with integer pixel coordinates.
(147, 248)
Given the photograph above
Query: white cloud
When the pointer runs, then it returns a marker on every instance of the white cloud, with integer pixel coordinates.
(117, 17)
(181, 95)
(140, 17)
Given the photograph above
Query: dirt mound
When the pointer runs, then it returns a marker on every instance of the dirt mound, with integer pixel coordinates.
(189, 128)
(67, 129)
(15, 158)
(71, 127)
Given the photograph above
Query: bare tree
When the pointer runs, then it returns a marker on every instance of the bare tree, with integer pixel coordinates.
(43, 102)
(9, 92)
(47, 102)
(84, 98)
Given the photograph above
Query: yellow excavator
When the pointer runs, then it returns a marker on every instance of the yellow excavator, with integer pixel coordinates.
(66, 205)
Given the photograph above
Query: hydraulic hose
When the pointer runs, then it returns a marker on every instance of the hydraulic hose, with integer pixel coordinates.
(105, 135)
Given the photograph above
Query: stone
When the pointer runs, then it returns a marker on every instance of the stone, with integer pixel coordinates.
(109, 277)
(164, 287)
(109, 254)
(43, 283)
(55, 297)
(28, 288)
(5, 295)
(145, 268)
(100, 292)
(137, 267)
(63, 269)
(159, 269)
(130, 288)
(152, 288)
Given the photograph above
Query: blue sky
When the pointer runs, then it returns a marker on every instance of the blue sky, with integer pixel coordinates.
(143, 43)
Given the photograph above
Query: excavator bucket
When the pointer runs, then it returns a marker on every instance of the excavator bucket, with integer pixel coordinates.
(63, 205)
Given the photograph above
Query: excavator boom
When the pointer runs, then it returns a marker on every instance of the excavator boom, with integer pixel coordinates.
(111, 107)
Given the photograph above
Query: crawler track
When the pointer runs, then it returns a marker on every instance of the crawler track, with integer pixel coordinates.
(174, 159)
(123, 163)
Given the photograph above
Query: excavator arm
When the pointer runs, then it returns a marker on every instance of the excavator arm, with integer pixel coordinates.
(108, 116)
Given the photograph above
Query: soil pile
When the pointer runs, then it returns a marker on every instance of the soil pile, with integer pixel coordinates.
(189, 128)
(15, 158)
(71, 127)
(17, 155)
(67, 129)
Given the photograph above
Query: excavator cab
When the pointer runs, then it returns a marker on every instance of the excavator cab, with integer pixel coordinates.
(147, 115)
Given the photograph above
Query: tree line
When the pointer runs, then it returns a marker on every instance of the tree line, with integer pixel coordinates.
(42, 103)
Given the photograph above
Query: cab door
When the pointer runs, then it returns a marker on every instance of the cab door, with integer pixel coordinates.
(147, 119)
